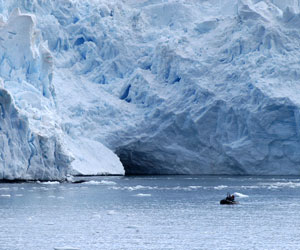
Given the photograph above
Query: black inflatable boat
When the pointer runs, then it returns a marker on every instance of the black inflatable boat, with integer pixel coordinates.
(228, 202)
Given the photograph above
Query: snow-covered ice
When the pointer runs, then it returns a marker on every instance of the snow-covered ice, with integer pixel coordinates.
(155, 87)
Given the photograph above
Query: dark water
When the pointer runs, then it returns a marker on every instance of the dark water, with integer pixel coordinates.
(175, 212)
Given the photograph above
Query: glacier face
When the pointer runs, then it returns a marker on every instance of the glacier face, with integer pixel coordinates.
(30, 144)
(24, 153)
(188, 87)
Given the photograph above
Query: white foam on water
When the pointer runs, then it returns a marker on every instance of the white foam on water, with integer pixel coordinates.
(240, 195)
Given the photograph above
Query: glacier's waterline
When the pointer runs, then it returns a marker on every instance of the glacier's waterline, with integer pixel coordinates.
(153, 212)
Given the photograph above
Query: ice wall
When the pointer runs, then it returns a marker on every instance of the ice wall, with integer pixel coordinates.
(24, 153)
(189, 87)
(30, 143)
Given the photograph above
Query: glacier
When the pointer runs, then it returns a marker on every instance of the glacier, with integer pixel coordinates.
(149, 87)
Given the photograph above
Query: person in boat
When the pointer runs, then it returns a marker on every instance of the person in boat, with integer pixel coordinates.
(230, 197)
(229, 200)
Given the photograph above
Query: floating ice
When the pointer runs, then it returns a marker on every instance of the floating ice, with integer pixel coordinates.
(220, 187)
(103, 182)
(108, 182)
(111, 212)
(48, 182)
(140, 187)
(66, 248)
(194, 187)
(5, 195)
(143, 195)
(276, 185)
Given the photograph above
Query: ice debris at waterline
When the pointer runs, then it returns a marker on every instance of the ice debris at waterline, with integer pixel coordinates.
(165, 87)
(66, 248)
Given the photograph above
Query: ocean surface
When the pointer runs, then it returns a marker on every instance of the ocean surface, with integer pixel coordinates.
(153, 212)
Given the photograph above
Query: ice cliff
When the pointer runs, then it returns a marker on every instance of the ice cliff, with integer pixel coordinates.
(149, 87)
(28, 148)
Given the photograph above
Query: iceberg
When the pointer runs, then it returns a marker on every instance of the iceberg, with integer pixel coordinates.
(149, 87)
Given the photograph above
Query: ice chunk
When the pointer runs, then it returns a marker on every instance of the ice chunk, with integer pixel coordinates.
(93, 158)
(66, 248)
(100, 183)
(143, 195)
(5, 195)
(49, 182)
(220, 187)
